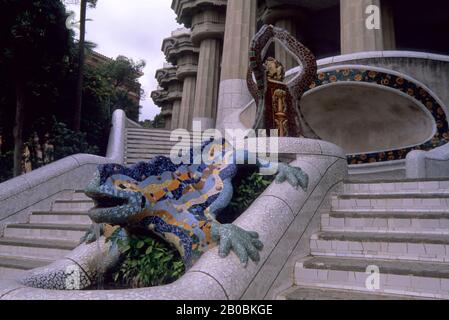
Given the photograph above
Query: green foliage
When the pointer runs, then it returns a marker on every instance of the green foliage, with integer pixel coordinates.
(248, 186)
(39, 52)
(157, 123)
(248, 191)
(68, 142)
(147, 262)
(6, 163)
(122, 76)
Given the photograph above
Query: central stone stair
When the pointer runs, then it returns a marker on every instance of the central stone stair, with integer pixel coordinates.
(401, 228)
(145, 144)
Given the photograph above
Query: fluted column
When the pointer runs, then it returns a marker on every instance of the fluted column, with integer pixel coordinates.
(175, 115)
(179, 50)
(168, 123)
(187, 103)
(282, 55)
(288, 16)
(355, 36)
(233, 92)
(206, 18)
(207, 81)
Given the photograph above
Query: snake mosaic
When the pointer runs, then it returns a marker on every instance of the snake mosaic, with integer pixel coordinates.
(296, 87)
(178, 203)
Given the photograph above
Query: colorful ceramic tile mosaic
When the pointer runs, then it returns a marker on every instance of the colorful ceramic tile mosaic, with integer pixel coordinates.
(398, 83)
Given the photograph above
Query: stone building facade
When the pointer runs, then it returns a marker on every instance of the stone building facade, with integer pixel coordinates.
(362, 46)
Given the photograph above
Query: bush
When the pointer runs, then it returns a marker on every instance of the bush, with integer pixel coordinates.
(68, 142)
(248, 186)
(147, 262)
(6, 165)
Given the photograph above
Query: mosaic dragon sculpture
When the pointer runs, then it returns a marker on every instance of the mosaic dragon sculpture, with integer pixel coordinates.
(176, 202)
(278, 102)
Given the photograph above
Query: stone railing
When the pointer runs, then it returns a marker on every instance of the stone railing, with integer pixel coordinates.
(428, 165)
(38, 189)
(284, 217)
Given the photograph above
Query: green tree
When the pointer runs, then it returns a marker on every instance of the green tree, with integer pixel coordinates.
(34, 43)
(123, 76)
(81, 60)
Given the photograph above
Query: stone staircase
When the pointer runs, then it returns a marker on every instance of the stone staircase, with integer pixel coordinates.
(145, 144)
(48, 235)
(400, 227)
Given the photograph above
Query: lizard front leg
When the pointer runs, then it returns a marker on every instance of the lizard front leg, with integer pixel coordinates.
(231, 237)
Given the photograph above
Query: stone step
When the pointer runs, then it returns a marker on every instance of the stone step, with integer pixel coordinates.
(73, 205)
(61, 217)
(146, 130)
(46, 231)
(75, 196)
(317, 293)
(134, 156)
(36, 248)
(391, 213)
(394, 195)
(7, 273)
(423, 247)
(138, 152)
(143, 130)
(149, 144)
(406, 223)
(414, 201)
(20, 263)
(407, 278)
(134, 138)
(397, 186)
(159, 135)
(131, 161)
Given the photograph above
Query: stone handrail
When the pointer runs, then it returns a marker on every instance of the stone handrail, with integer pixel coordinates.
(37, 189)
(427, 165)
(284, 218)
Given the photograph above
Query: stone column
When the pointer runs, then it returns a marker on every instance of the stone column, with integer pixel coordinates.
(168, 124)
(207, 81)
(285, 15)
(187, 103)
(180, 51)
(206, 18)
(167, 113)
(175, 114)
(167, 93)
(355, 36)
(282, 55)
(233, 93)
(175, 97)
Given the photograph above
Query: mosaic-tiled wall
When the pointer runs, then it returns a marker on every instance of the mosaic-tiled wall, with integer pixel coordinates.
(398, 83)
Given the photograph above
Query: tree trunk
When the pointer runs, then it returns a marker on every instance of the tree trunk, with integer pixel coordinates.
(18, 127)
(79, 86)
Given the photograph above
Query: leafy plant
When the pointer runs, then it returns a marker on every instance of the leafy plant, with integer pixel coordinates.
(248, 186)
(68, 142)
(6, 164)
(147, 262)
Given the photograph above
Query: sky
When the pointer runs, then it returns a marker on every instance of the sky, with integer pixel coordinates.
(135, 29)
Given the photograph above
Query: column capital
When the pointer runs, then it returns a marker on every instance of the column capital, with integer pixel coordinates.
(286, 12)
(178, 44)
(186, 9)
(166, 75)
(167, 110)
(187, 70)
(162, 96)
